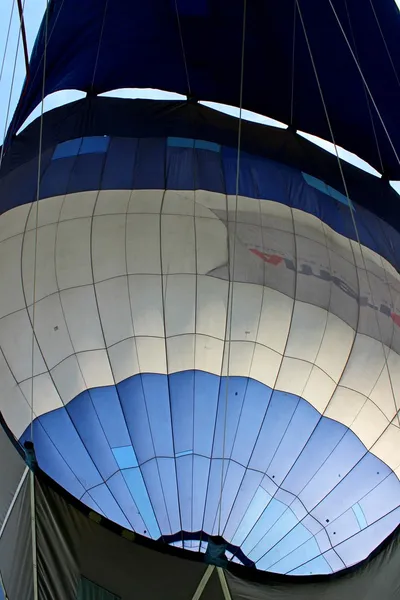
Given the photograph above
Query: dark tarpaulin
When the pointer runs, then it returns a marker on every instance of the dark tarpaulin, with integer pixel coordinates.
(16, 564)
(73, 543)
(131, 43)
(12, 467)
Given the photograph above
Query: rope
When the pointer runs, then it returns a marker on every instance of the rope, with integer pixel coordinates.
(349, 202)
(385, 44)
(11, 91)
(293, 57)
(7, 40)
(183, 48)
(365, 92)
(362, 77)
(232, 278)
(99, 44)
(23, 34)
(32, 475)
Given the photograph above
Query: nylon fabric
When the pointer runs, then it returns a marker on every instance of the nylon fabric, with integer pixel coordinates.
(210, 36)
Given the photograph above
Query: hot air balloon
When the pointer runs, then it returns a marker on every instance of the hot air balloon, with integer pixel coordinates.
(199, 316)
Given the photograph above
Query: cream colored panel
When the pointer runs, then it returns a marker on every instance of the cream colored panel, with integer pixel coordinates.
(13, 221)
(45, 394)
(276, 215)
(11, 293)
(211, 200)
(108, 246)
(364, 366)
(312, 288)
(80, 204)
(345, 405)
(335, 348)
(180, 353)
(365, 258)
(212, 297)
(178, 244)
(238, 361)
(67, 377)
(73, 257)
(344, 292)
(372, 322)
(202, 200)
(369, 424)
(143, 243)
(248, 210)
(178, 202)
(179, 294)
(51, 331)
(146, 201)
(13, 404)
(293, 375)
(211, 244)
(208, 354)
(47, 212)
(112, 202)
(319, 389)
(115, 313)
(265, 365)
(246, 308)
(95, 368)
(275, 320)
(151, 352)
(124, 359)
(387, 447)
(306, 331)
(338, 244)
(308, 226)
(137, 355)
(81, 314)
(16, 343)
(45, 276)
(146, 305)
(386, 392)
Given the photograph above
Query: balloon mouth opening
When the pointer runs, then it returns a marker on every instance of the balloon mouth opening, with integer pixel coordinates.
(216, 548)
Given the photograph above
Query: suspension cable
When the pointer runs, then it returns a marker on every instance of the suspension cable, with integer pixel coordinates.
(364, 80)
(232, 277)
(23, 34)
(11, 91)
(36, 220)
(349, 202)
(7, 40)
(183, 48)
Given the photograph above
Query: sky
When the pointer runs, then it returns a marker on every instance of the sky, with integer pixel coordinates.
(12, 73)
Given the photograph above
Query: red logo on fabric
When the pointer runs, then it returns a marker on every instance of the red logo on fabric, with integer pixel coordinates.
(273, 259)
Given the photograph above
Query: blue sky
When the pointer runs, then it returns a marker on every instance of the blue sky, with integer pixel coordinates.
(11, 82)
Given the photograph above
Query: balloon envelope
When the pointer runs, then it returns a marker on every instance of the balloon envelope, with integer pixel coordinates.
(205, 362)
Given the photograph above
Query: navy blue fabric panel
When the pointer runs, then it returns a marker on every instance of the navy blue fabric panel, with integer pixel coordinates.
(141, 47)
(68, 148)
(56, 178)
(86, 173)
(96, 144)
(20, 188)
(150, 164)
(209, 173)
(120, 164)
(180, 168)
